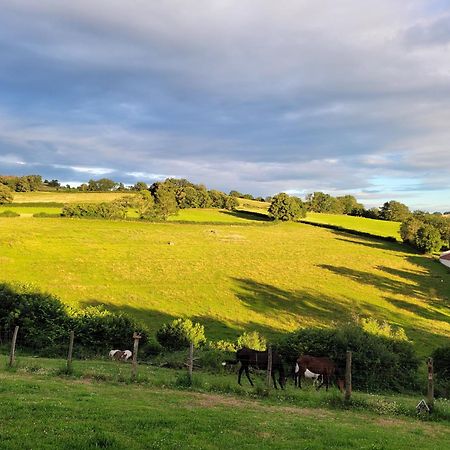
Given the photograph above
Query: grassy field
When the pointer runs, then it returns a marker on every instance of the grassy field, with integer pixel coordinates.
(96, 407)
(376, 227)
(67, 197)
(230, 277)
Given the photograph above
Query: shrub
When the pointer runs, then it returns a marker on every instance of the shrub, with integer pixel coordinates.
(441, 362)
(378, 363)
(111, 210)
(99, 329)
(252, 340)
(42, 318)
(178, 334)
(224, 346)
(9, 213)
(45, 323)
(428, 239)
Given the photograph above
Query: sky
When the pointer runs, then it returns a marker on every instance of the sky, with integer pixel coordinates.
(260, 96)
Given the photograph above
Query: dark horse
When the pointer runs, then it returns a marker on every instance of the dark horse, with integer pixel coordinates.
(319, 365)
(252, 358)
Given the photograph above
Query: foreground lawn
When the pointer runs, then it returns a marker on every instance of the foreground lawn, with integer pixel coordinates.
(271, 278)
(43, 411)
(376, 227)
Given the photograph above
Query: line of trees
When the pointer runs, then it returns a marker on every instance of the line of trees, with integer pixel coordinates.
(26, 183)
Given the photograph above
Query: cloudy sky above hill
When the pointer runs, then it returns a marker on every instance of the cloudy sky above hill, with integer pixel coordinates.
(261, 96)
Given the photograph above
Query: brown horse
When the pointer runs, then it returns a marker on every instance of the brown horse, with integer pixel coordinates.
(317, 365)
(253, 358)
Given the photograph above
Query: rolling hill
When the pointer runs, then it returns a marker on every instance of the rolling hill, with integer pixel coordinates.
(234, 277)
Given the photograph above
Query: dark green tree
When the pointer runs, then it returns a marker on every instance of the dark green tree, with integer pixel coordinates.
(284, 207)
(428, 239)
(394, 211)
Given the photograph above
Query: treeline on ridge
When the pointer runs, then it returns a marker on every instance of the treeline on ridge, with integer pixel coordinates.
(158, 202)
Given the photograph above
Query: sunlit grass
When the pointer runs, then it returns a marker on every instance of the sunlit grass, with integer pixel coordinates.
(230, 277)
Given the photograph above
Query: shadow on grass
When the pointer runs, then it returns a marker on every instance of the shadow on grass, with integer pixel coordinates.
(248, 215)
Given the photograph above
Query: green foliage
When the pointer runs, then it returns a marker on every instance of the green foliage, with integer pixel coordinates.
(42, 318)
(45, 322)
(105, 210)
(253, 340)
(285, 208)
(165, 201)
(9, 213)
(378, 363)
(22, 184)
(222, 345)
(101, 185)
(140, 186)
(374, 326)
(441, 362)
(6, 195)
(409, 228)
(428, 239)
(99, 329)
(394, 211)
(178, 334)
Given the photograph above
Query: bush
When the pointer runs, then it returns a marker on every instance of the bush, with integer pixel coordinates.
(441, 362)
(9, 213)
(252, 340)
(378, 363)
(42, 318)
(224, 346)
(178, 334)
(111, 210)
(100, 330)
(428, 239)
(45, 323)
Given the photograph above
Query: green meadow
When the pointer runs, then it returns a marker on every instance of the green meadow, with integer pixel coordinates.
(383, 228)
(255, 276)
(97, 407)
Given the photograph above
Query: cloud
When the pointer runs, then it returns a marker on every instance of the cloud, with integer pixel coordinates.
(256, 95)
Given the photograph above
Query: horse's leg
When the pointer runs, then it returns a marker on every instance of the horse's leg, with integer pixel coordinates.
(248, 375)
(240, 374)
(321, 383)
(274, 381)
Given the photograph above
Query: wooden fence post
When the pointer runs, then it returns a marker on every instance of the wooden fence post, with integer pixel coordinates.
(69, 354)
(269, 365)
(430, 391)
(136, 337)
(348, 376)
(12, 354)
(191, 360)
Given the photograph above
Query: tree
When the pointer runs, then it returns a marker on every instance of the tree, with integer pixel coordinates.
(349, 205)
(165, 202)
(284, 207)
(103, 185)
(409, 228)
(394, 211)
(140, 186)
(321, 202)
(6, 195)
(428, 239)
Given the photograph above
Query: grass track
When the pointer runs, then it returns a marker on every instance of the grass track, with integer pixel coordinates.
(230, 277)
(42, 411)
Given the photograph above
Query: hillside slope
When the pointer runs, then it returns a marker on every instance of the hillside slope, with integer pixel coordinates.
(268, 277)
